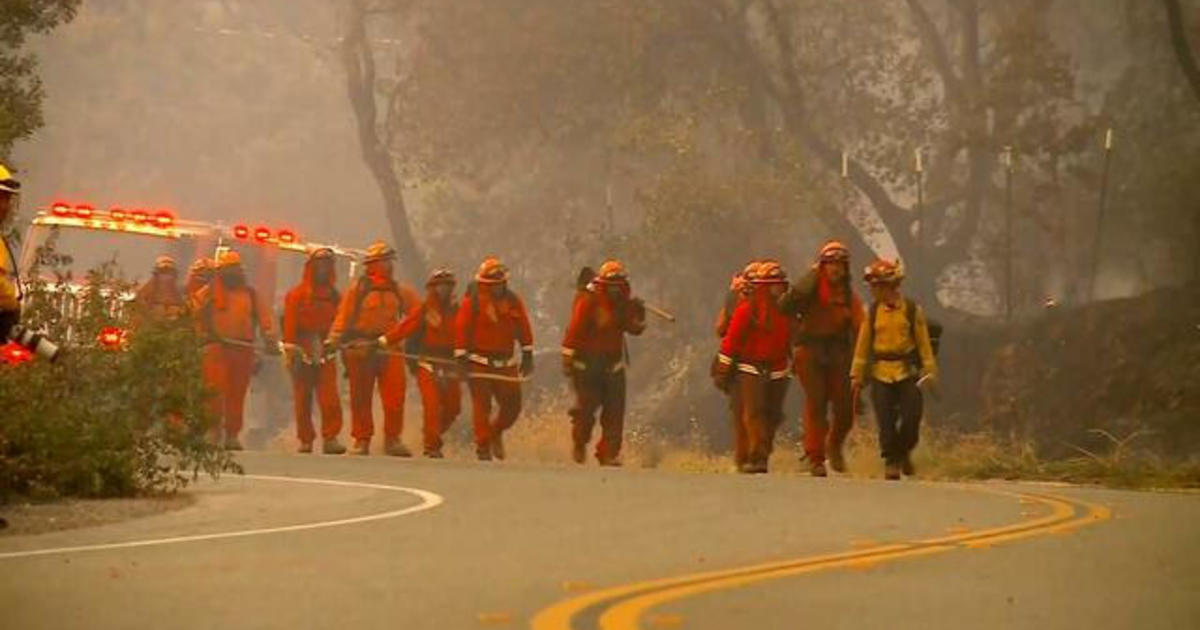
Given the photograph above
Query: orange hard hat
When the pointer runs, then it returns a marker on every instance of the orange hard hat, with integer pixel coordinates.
(320, 253)
(834, 251)
(164, 263)
(229, 258)
(884, 271)
(769, 272)
(492, 271)
(379, 250)
(440, 276)
(201, 265)
(612, 272)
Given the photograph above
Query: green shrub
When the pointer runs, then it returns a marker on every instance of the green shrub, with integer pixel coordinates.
(103, 422)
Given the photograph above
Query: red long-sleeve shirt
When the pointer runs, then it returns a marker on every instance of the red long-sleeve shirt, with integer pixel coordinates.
(759, 333)
(492, 327)
(598, 326)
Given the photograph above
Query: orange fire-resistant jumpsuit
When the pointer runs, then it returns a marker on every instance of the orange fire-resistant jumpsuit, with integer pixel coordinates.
(594, 349)
(308, 314)
(371, 307)
(830, 319)
(432, 326)
(227, 317)
(486, 329)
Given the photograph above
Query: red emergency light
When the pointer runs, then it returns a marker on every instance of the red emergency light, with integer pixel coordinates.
(84, 211)
(287, 236)
(241, 231)
(13, 353)
(164, 219)
(117, 213)
(140, 216)
(61, 209)
(110, 337)
(262, 234)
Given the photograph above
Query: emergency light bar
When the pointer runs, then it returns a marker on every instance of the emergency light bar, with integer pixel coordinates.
(162, 223)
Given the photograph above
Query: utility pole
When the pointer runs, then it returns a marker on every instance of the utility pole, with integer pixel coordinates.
(1007, 157)
(1108, 143)
(919, 172)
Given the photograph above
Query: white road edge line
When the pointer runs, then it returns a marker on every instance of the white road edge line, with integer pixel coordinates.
(429, 500)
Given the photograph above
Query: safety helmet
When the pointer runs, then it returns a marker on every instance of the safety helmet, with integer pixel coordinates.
(751, 269)
(320, 253)
(492, 271)
(884, 271)
(769, 272)
(229, 259)
(7, 183)
(377, 251)
(201, 265)
(441, 276)
(833, 251)
(612, 272)
(164, 263)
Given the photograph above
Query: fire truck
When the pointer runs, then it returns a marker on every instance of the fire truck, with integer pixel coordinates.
(269, 255)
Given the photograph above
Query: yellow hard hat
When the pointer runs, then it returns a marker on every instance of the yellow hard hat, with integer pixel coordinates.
(7, 183)
(201, 265)
(769, 272)
(884, 271)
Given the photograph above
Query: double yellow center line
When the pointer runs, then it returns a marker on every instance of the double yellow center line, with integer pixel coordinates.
(622, 607)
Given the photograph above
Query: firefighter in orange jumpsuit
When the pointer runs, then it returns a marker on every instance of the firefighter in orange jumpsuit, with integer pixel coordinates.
(753, 361)
(739, 291)
(594, 360)
(228, 314)
(308, 312)
(830, 314)
(490, 321)
(429, 334)
(160, 298)
(373, 305)
(200, 273)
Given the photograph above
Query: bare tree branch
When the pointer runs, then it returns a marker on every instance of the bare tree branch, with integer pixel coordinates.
(936, 45)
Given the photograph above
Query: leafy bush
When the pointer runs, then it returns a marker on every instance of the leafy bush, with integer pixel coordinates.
(103, 422)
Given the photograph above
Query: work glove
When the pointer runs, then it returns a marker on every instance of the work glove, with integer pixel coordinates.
(722, 374)
(382, 342)
(568, 365)
(271, 348)
(527, 363)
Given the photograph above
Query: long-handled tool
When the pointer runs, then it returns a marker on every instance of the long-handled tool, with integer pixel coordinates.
(483, 376)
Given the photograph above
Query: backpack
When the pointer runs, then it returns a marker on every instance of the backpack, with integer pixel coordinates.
(910, 313)
(363, 291)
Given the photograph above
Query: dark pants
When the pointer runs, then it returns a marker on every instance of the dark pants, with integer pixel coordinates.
(759, 407)
(599, 390)
(898, 410)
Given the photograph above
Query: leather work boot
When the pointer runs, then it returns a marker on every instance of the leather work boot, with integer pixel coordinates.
(817, 469)
(332, 447)
(891, 471)
(232, 444)
(396, 448)
(483, 453)
(498, 445)
(305, 448)
(837, 461)
(579, 453)
(361, 447)
(906, 466)
(434, 453)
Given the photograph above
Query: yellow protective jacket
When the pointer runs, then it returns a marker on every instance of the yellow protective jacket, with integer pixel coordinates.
(9, 291)
(890, 348)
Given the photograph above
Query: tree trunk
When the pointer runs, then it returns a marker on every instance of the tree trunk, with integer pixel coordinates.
(359, 64)
(1179, 42)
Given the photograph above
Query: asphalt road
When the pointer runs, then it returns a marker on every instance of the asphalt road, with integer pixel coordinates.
(384, 543)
